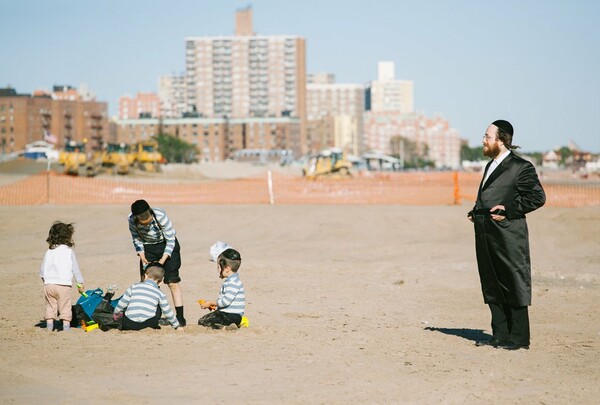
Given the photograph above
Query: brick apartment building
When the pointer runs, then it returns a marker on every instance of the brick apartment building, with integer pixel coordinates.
(334, 114)
(25, 118)
(218, 138)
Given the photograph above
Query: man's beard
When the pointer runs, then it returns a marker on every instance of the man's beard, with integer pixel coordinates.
(491, 151)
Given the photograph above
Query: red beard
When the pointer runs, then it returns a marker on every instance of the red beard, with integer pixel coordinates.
(491, 151)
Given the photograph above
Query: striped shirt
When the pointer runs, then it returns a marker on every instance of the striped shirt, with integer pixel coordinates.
(232, 297)
(141, 301)
(152, 233)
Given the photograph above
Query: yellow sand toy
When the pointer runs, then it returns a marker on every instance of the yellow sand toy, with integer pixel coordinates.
(89, 326)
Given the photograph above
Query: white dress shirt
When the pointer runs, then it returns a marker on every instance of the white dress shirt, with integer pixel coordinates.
(495, 163)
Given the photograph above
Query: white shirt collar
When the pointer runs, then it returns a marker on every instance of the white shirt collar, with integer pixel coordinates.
(502, 156)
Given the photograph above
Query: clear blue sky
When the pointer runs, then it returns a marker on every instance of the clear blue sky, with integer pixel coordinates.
(535, 63)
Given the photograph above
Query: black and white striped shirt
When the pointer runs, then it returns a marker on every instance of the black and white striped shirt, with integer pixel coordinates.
(160, 229)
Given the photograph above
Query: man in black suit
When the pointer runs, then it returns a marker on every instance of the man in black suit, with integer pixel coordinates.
(509, 189)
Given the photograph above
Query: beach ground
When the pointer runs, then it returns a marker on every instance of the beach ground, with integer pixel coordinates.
(347, 304)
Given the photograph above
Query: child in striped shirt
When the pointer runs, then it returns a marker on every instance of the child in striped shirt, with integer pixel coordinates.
(231, 303)
(143, 303)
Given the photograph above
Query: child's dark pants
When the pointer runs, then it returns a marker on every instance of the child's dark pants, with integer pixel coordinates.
(217, 319)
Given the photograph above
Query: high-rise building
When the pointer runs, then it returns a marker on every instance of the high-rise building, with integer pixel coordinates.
(171, 94)
(390, 123)
(25, 118)
(334, 114)
(248, 76)
(389, 94)
(142, 105)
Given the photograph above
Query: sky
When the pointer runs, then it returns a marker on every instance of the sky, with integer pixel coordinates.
(535, 63)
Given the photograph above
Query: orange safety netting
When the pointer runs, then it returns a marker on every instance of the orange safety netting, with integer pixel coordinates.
(415, 188)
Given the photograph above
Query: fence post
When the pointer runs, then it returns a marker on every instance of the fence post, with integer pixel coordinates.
(270, 186)
(456, 189)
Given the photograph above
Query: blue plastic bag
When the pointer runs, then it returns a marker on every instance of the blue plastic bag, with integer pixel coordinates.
(94, 297)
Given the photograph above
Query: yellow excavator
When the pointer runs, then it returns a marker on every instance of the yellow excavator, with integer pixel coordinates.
(116, 156)
(147, 156)
(72, 157)
(328, 164)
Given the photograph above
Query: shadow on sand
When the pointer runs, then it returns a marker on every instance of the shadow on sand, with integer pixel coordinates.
(469, 334)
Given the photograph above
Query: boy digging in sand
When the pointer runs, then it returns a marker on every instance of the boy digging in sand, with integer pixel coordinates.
(143, 303)
(231, 303)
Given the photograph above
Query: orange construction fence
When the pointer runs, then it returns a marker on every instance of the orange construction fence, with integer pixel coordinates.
(413, 188)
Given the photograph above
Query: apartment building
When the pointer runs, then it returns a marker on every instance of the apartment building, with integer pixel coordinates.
(171, 95)
(334, 114)
(217, 139)
(142, 105)
(387, 94)
(434, 137)
(26, 118)
(247, 76)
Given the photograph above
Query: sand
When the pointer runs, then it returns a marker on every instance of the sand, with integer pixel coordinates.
(347, 304)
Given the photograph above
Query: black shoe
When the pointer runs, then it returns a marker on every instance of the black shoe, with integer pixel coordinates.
(163, 321)
(182, 321)
(514, 346)
(492, 342)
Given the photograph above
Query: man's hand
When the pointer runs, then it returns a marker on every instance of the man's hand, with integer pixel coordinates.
(498, 217)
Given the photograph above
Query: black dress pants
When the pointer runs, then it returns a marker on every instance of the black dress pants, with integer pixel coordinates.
(510, 323)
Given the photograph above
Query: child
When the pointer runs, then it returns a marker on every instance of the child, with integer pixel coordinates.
(57, 271)
(231, 302)
(142, 302)
(154, 239)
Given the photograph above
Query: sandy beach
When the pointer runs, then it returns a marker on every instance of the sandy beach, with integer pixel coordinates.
(347, 304)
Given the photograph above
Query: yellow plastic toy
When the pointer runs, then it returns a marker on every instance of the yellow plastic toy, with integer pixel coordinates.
(212, 307)
(91, 326)
(245, 322)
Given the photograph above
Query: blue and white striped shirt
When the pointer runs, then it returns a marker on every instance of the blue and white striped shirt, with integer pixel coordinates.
(232, 297)
(141, 300)
(152, 234)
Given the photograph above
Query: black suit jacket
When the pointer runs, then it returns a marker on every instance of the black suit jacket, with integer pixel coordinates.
(502, 247)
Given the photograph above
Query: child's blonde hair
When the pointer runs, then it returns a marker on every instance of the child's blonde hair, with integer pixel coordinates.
(155, 271)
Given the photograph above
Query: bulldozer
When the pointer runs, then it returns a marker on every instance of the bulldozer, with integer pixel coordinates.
(147, 156)
(72, 157)
(328, 164)
(116, 157)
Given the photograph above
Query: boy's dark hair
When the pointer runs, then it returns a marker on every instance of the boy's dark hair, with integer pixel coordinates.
(155, 271)
(60, 234)
(230, 258)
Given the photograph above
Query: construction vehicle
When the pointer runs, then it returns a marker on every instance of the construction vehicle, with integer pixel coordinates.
(116, 157)
(72, 157)
(329, 163)
(147, 156)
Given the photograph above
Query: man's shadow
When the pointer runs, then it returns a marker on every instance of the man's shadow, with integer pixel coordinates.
(475, 335)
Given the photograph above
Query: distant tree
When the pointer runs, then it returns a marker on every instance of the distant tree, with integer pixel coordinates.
(471, 154)
(565, 154)
(175, 149)
(537, 157)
